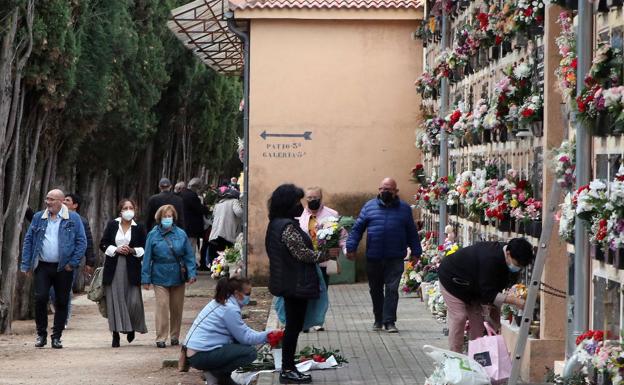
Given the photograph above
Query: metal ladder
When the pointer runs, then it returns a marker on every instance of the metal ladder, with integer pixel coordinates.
(534, 285)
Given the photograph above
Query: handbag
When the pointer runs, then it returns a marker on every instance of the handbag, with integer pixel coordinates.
(183, 271)
(491, 352)
(183, 362)
(96, 288)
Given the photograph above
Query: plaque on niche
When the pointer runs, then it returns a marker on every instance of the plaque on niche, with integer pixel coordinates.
(617, 37)
(607, 306)
(602, 166)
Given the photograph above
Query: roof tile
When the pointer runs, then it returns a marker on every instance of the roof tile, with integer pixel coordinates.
(327, 4)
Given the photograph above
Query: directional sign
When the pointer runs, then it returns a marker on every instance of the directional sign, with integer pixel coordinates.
(306, 135)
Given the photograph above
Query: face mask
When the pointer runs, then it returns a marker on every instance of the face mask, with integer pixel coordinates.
(127, 215)
(314, 204)
(386, 196)
(245, 300)
(166, 222)
(513, 268)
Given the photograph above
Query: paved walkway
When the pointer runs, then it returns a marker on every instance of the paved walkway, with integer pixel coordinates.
(374, 357)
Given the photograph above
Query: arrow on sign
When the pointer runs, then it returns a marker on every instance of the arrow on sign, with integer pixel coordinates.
(306, 135)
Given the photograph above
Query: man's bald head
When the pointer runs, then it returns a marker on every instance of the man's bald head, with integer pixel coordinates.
(388, 190)
(54, 201)
(388, 182)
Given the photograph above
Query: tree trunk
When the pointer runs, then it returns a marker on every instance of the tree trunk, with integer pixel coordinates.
(13, 57)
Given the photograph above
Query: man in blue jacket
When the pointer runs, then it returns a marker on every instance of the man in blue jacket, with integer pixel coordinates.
(53, 247)
(390, 231)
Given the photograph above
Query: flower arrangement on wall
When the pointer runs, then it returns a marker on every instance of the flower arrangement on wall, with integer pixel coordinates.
(601, 101)
(566, 71)
(564, 164)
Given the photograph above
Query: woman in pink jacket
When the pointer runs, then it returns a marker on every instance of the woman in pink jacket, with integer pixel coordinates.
(313, 215)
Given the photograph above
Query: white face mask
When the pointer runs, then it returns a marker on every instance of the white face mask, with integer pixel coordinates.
(127, 215)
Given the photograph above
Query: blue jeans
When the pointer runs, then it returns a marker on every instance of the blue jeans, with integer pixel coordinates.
(384, 276)
(224, 360)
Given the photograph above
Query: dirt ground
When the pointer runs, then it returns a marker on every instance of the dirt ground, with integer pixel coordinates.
(87, 356)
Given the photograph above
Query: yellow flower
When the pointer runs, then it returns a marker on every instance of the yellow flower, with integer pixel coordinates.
(514, 203)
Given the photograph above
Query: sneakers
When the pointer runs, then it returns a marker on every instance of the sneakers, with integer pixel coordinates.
(377, 327)
(175, 342)
(294, 377)
(391, 328)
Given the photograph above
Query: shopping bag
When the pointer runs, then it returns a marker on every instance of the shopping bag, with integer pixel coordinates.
(491, 353)
(454, 369)
(333, 267)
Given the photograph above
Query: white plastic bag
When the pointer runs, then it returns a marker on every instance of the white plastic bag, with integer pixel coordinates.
(454, 369)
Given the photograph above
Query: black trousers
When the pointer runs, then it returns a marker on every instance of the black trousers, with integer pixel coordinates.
(46, 276)
(295, 315)
(384, 276)
(218, 244)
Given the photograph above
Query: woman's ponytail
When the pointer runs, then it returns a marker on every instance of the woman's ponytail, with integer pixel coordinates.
(227, 286)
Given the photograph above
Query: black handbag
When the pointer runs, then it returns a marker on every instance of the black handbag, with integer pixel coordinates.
(183, 271)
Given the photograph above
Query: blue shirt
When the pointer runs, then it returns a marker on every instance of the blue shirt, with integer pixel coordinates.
(50, 250)
(218, 325)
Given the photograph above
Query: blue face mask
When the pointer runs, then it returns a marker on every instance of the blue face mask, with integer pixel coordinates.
(245, 300)
(513, 268)
(166, 222)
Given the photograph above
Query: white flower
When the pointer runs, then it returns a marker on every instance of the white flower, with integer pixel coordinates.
(522, 71)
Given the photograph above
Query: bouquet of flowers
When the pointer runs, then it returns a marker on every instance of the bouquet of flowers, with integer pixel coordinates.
(410, 280)
(427, 85)
(564, 160)
(590, 199)
(528, 13)
(566, 217)
(331, 229)
(418, 174)
(615, 205)
(219, 268)
(531, 109)
(319, 355)
(566, 41)
(478, 116)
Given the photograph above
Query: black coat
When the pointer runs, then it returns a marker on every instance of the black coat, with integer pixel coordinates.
(194, 212)
(289, 277)
(476, 273)
(89, 256)
(133, 264)
(161, 199)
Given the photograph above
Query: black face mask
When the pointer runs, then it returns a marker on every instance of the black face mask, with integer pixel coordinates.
(314, 204)
(296, 211)
(386, 196)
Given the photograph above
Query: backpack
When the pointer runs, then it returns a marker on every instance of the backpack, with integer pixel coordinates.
(96, 289)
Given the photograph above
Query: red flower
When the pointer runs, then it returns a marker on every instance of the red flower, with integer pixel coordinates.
(522, 184)
(528, 12)
(527, 112)
(598, 335)
(574, 63)
(580, 105)
(440, 248)
(483, 20)
(455, 117)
